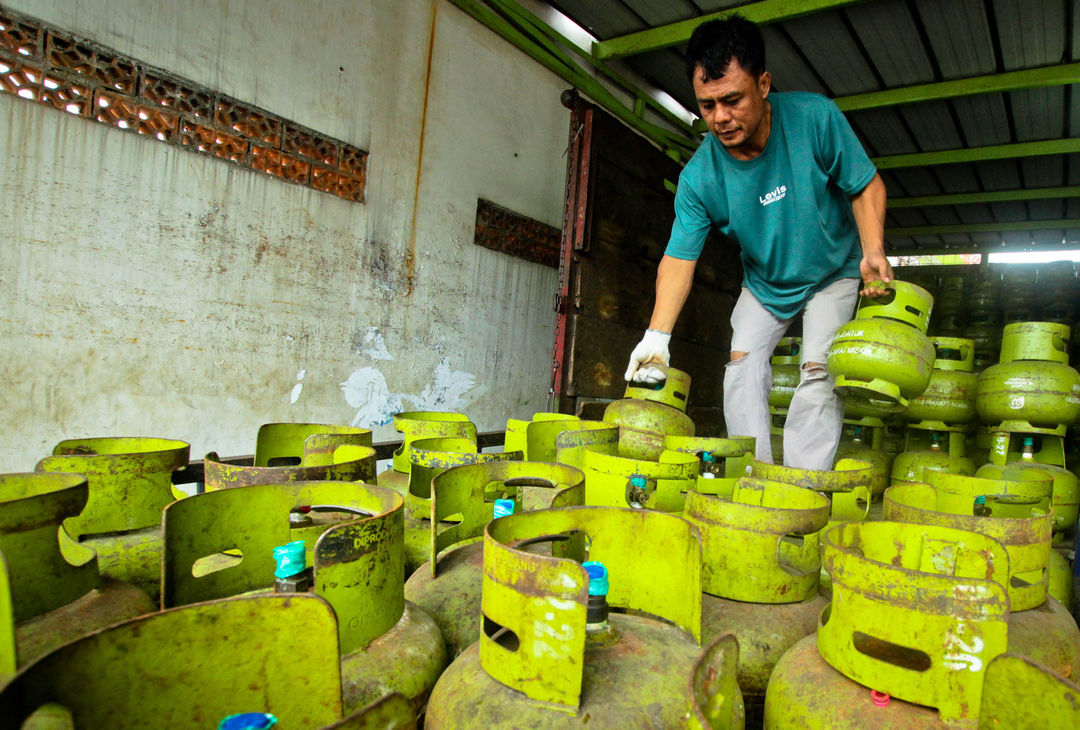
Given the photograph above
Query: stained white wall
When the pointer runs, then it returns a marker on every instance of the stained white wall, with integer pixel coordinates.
(147, 290)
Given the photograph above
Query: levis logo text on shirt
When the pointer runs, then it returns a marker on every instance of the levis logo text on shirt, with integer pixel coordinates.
(772, 197)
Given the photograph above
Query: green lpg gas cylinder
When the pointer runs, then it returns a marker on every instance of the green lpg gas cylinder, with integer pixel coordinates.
(1074, 350)
(613, 480)
(919, 277)
(448, 585)
(949, 399)
(950, 299)
(977, 444)
(53, 591)
(551, 654)
(648, 413)
(761, 560)
(785, 371)
(130, 482)
(1017, 514)
(981, 295)
(1057, 284)
(847, 487)
(413, 425)
(288, 452)
(984, 331)
(867, 443)
(1019, 693)
(715, 702)
(1017, 287)
(535, 438)
(571, 444)
(1061, 579)
(918, 612)
(1032, 389)
(777, 419)
(220, 543)
(1066, 496)
(931, 450)
(721, 460)
(190, 668)
(948, 324)
(883, 358)
(1063, 313)
(427, 459)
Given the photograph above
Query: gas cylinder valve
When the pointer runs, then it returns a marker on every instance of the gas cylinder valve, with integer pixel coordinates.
(637, 492)
(711, 467)
(292, 574)
(596, 618)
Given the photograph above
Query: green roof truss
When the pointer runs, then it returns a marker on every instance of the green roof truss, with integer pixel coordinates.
(665, 36)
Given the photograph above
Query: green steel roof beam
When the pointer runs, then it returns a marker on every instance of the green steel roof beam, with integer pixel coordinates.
(531, 39)
(980, 248)
(551, 40)
(665, 36)
(979, 154)
(1003, 227)
(1068, 73)
(995, 196)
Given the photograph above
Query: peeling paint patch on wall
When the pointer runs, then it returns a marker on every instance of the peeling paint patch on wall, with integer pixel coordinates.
(448, 391)
(375, 345)
(298, 388)
(367, 390)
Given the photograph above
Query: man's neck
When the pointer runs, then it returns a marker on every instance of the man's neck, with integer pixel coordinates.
(754, 146)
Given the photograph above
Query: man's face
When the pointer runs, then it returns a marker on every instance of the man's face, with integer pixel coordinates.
(733, 106)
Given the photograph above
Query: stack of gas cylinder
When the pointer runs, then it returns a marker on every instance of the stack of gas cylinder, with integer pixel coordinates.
(625, 572)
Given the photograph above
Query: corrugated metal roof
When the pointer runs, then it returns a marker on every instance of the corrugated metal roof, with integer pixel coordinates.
(879, 45)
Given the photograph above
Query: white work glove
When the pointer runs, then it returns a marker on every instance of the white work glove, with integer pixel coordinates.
(651, 351)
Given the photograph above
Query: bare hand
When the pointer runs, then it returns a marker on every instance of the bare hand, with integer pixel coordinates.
(875, 267)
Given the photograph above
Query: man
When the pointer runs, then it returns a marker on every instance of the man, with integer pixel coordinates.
(785, 176)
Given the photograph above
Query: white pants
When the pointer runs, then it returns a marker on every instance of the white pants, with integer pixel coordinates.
(816, 415)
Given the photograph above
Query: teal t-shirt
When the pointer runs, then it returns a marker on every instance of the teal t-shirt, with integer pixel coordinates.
(789, 208)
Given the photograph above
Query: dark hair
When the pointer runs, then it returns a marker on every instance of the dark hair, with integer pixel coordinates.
(714, 44)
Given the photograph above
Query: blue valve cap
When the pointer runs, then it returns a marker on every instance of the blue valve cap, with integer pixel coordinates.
(290, 559)
(598, 577)
(637, 482)
(503, 507)
(248, 721)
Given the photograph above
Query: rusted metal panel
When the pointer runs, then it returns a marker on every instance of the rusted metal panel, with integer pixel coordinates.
(542, 599)
(916, 597)
(574, 207)
(462, 491)
(193, 666)
(129, 478)
(289, 452)
(393, 712)
(715, 699)
(601, 349)
(746, 554)
(615, 234)
(358, 564)
(501, 229)
(32, 508)
(1019, 693)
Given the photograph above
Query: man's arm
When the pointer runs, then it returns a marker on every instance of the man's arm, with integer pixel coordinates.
(868, 206)
(673, 279)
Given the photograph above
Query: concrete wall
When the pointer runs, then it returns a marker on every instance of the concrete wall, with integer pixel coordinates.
(152, 291)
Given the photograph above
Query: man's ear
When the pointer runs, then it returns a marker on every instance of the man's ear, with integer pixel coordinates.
(764, 83)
